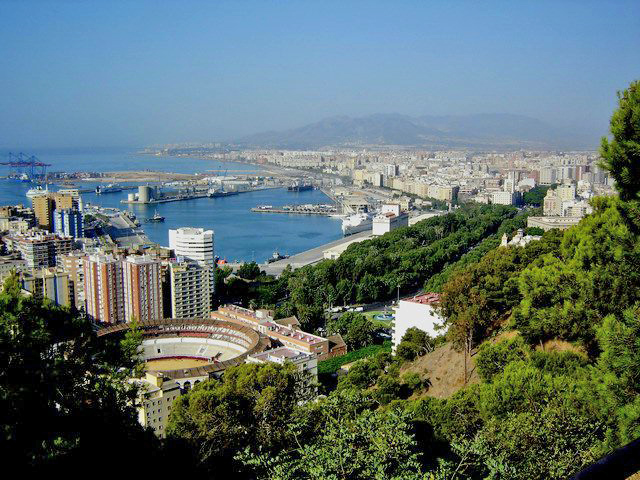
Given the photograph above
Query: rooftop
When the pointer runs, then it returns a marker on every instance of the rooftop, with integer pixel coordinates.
(424, 299)
(281, 353)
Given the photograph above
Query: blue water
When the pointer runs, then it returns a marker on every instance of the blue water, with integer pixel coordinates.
(240, 235)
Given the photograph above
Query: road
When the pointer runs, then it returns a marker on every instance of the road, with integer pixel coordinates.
(305, 258)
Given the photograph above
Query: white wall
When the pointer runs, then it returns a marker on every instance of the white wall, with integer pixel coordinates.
(410, 314)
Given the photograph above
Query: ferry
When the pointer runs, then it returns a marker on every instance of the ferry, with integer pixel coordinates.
(111, 188)
(356, 223)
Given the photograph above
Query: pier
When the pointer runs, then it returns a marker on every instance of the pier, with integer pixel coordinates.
(297, 209)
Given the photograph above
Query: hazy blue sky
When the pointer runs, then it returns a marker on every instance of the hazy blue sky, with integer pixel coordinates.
(80, 73)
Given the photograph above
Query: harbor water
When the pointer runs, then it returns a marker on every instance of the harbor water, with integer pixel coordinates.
(240, 235)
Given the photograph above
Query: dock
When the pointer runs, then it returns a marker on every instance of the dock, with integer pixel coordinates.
(297, 209)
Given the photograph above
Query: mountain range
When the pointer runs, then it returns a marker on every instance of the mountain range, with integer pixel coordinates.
(488, 131)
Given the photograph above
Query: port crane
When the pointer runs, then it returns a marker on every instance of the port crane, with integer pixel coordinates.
(28, 165)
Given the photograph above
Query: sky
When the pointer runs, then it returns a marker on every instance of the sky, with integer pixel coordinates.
(136, 73)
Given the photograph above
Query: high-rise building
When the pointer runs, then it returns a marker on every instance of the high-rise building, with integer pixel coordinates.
(68, 221)
(103, 288)
(142, 288)
(190, 294)
(72, 264)
(391, 170)
(41, 250)
(195, 244)
(64, 200)
(43, 206)
(50, 283)
(548, 176)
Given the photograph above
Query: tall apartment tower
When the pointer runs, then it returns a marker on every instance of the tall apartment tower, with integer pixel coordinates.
(43, 206)
(103, 288)
(72, 263)
(190, 294)
(142, 288)
(195, 244)
(68, 221)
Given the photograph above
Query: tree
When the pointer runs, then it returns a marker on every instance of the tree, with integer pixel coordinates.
(250, 406)
(536, 195)
(356, 330)
(249, 271)
(621, 154)
(620, 343)
(491, 359)
(414, 342)
(342, 437)
(60, 393)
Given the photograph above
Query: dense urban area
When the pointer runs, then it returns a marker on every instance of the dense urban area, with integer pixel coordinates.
(479, 319)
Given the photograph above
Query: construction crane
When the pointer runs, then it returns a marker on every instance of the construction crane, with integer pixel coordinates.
(29, 165)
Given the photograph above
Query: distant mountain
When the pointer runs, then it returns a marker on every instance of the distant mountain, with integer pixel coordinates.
(474, 131)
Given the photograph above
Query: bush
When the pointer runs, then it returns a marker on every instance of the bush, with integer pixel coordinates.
(492, 358)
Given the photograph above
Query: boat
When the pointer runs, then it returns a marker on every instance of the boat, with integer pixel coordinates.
(300, 187)
(156, 218)
(34, 192)
(110, 188)
(277, 256)
(356, 223)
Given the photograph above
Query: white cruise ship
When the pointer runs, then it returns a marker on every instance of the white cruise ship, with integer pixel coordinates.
(358, 222)
(34, 192)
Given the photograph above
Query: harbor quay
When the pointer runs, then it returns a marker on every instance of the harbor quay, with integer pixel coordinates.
(308, 257)
(307, 209)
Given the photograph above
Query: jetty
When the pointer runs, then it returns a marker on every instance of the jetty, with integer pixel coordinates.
(308, 209)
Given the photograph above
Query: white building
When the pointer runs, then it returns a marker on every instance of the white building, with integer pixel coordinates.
(505, 198)
(389, 218)
(519, 239)
(195, 244)
(419, 312)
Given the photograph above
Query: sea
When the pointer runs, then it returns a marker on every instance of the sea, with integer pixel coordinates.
(240, 235)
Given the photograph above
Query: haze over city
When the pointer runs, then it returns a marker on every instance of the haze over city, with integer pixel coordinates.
(101, 74)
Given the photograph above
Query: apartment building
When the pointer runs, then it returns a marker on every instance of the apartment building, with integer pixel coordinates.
(72, 264)
(190, 293)
(155, 400)
(50, 283)
(195, 244)
(68, 221)
(142, 288)
(39, 249)
(103, 288)
(45, 204)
